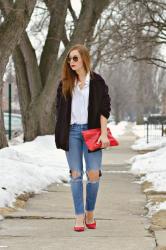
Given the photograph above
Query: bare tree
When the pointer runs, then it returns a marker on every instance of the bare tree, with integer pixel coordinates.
(129, 30)
(122, 31)
(16, 18)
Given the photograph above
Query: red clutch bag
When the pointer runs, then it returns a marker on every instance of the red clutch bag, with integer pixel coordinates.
(91, 137)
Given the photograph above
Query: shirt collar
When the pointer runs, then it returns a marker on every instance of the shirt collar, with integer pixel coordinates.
(87, 80)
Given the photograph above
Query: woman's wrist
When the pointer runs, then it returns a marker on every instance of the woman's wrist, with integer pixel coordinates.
(104, 132)
(103, 122)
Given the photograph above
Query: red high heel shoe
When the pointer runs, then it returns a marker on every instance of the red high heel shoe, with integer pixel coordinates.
(90, 225)
(79, 228)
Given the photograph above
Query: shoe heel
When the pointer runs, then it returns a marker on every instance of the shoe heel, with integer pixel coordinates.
(90, 225)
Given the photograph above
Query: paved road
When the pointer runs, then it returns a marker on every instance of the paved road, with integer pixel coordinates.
(47, 221)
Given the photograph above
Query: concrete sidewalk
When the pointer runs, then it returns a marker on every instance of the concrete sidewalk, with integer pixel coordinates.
(47, 221)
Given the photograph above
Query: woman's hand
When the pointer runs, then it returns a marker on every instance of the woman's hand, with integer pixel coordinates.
(104, 140)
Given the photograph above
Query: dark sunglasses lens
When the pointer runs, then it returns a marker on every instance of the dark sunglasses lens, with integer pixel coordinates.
(75, 58)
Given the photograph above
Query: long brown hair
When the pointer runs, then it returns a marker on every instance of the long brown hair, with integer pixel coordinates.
(68, 75)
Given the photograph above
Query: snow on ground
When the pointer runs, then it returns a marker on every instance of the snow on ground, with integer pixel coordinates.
(141, 144)
(119, 129)
(138, 130)
(32, 166)
(152, 166)
(150, 162)
(156, 141)
(155, 208)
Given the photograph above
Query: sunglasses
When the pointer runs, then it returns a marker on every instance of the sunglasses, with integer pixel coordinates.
(74, 58)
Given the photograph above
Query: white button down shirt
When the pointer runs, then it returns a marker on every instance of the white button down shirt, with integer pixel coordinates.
(80, 101)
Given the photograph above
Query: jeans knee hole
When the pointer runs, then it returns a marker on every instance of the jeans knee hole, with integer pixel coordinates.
(76, 175)
(94, 179)
(75, 178)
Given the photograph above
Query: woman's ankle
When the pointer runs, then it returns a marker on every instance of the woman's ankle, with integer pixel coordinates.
(79, 220)
(89, 216)
(79, 216)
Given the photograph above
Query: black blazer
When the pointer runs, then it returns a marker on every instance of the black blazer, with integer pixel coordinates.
(99, 103)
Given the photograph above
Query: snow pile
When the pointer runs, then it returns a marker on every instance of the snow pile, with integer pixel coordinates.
(155, 208)
(152, 168)
(141, 144)
(30, 167)
(119, 129)
(139, 130)
(150, 162)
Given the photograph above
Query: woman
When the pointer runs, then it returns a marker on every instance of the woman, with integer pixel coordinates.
(82, 103)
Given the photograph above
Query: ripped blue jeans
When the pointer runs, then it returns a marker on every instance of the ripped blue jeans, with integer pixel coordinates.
(78, 148)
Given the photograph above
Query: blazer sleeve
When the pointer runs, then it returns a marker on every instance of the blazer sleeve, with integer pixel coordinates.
(58, 97)
(106, 102)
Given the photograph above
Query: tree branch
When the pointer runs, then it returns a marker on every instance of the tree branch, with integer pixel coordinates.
(12, 28)
(72, 12)
(32, 69)
(58, 10)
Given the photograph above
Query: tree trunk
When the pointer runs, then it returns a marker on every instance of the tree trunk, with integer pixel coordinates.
(16, 17)
(163, 103)
(140, 94)
(145, 96)
(117, 112)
